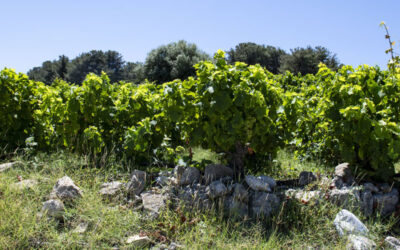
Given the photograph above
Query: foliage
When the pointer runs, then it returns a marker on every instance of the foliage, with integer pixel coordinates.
(353, 116)
(252, 53)
(306, 60)
(173, 61)
(51, 70)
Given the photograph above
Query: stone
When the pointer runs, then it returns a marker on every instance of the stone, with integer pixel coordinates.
(367, 204)
(239, 192)
(347, 223)
(163, 181)
(260, 183)
(337, 182)
(195, 197)
(343, 171)
(216, 189)
(187, 175)
(392, 243)
(54, 209)
(153, 201)
(306, 178)
(66, 190)
(358, 242)
(371, 187)
(8, 165)
(347, 197)
(111, 189)
(24, 184)
(214, 172)
(304, 196)
(81, 228)
(386, 188)
(137, 183)
(138, 241)
(174, 246)
(236, 207)
(264, 204)
(386, 203)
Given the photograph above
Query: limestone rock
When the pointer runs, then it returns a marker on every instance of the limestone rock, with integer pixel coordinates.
(239, 192)
(392, 243)
(111, 189)
(371, 187)
(264, 204)
(138, 241)
(306, 178)
(343, 171)
(347, 223)
(347, 197)
(304, 196)
(81, 228)
(195, 197)
(24, 184)
(8, 165)
(216, 189)
(358, 242)
(236, 208)
(153, 201)
(216, 171)
(137, 182)
(54, 209)
(66, 190)
(386, 203)
(260, 183)
(187, 175)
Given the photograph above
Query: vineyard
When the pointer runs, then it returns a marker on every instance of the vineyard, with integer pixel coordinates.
(350, 115)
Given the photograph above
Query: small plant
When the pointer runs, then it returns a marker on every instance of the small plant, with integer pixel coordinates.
(394, 62)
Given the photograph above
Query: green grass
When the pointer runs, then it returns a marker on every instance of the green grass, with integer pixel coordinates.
(296, 226)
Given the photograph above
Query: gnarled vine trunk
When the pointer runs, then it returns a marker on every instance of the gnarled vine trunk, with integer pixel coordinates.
(236, 160)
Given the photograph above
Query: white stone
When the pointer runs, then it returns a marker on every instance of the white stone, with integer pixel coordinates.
(358, 242)
(8, 165)
(24, 184)
(54, 208)
(111, 189)
(347, 223)
(65, 189)
(392, 243)
(153, 201)
(138, 241)
(260, 183)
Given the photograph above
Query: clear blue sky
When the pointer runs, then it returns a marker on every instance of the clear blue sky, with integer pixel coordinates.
(35, 31)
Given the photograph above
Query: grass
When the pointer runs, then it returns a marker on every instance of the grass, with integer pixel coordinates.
(296, 226)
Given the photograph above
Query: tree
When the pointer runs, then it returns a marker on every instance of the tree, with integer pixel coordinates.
(96, 61)
(251, 53)
(306, 60)
(172, 61)
(133, 72)
(51, 70)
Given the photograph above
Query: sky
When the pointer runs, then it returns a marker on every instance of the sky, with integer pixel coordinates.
(35, 31)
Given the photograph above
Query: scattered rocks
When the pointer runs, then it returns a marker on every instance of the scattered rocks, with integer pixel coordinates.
(138, 241)
(347, 223)
(153, 201)
(216, 189)
(264, 204)
(111, 189)
(306, 178)
(8, 165)
(358, 242)
(216, 171)
(260, 183)
(187, 175)
(195, 197)
(392, 243)
(137, 182)
(66, 190)
(236, 208)
(54, 209)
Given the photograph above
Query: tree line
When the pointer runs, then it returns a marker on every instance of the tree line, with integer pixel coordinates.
(175, 61)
